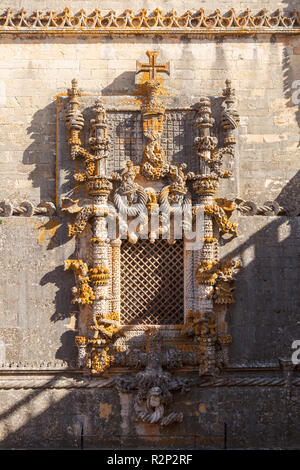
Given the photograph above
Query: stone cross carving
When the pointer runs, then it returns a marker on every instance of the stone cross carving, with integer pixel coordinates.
(154, 165)
(152, 68)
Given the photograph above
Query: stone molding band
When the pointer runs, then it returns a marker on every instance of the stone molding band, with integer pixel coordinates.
(26, 209)
(19, 384)
(144, 22)
(244, 207)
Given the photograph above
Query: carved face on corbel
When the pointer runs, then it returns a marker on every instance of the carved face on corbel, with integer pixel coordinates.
(154, 398)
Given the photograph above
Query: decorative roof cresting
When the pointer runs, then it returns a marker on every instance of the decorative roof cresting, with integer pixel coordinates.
(144, 22)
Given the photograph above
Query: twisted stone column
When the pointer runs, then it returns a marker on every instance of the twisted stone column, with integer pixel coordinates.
(99, 270)
(204, 259)
(204, 186)
(99, 188)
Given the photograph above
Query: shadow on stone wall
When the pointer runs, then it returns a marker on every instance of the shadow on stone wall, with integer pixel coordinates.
(122, 85)
(263, 324)
(289, 79)
(102, 418)
(289, 196)
(64, 281)
(263, 321)
(41, 152)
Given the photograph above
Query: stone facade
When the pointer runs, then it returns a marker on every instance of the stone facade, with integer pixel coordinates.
(48, 400)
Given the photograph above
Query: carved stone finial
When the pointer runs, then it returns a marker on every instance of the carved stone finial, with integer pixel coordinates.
(74, 119)
(230, 118)
(99, 140)
(99, 113)
(204, 119)
(74, 92)
(74, 83)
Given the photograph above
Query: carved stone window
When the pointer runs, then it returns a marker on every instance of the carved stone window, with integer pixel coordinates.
(152, 283)
(128, 279)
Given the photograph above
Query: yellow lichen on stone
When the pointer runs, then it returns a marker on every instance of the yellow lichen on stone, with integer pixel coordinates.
(45, 232)
(105, 410)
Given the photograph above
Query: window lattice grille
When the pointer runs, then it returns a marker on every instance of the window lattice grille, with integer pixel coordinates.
(152, 283)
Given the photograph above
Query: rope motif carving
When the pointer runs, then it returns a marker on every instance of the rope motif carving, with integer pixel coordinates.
(26, 209)
(267, 208)
(35, 384)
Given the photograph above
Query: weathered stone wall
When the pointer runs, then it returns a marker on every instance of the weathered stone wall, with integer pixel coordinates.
(262, 69)
(37, 323)
(256, 417)
(267, 297)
